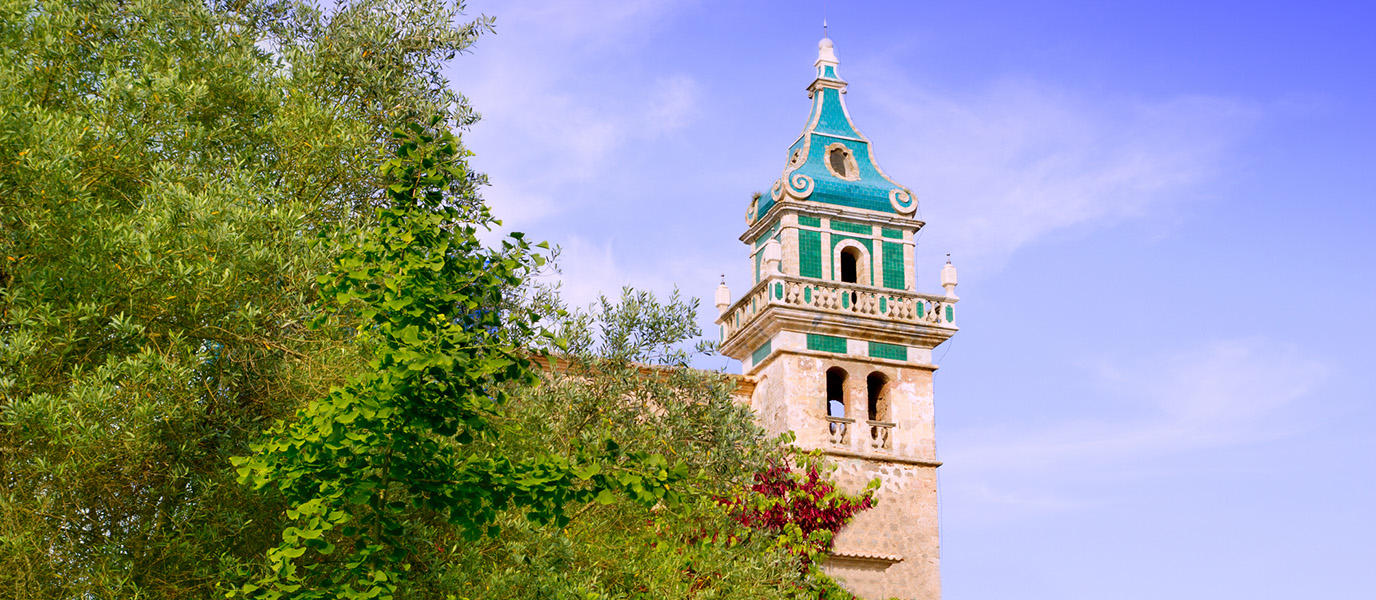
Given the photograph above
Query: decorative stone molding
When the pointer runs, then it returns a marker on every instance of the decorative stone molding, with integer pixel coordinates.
(799, 186)
(901, 460)
(903, 200)
(866, 557)
(840, 298)
(850, 170)
(795, 186)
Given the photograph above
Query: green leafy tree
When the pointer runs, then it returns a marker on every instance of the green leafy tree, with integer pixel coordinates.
(395, 445)
(625, 375)
(174, 176)
(166, 168)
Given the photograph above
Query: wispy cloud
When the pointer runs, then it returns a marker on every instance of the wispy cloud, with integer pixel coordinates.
(672, 103)
(1220, 394)
(588, 269)
(579, 134)
(545, 129)
(580, 23)
(1017, 160)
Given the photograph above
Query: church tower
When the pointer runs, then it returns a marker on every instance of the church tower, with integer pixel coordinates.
(838, 341)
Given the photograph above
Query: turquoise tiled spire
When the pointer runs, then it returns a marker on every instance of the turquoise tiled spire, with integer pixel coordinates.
(832, 162)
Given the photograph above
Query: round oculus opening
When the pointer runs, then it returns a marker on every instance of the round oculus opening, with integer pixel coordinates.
(838, 161)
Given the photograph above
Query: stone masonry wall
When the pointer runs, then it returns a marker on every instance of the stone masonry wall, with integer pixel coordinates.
(892, 550)
(903, 525)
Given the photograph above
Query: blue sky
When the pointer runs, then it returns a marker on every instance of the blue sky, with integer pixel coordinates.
(1162, 216)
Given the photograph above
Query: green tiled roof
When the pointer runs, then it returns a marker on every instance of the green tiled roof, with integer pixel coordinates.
(808, 176)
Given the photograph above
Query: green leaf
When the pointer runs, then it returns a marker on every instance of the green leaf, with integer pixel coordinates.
(587, 471)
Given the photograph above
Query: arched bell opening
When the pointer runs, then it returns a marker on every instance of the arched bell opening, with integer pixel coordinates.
(838, 425)
(878, 408)
(836, 392)
(880, 418)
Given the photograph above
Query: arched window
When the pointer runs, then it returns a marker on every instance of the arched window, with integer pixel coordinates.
(836, 392)
(850, 262)
(878, 403)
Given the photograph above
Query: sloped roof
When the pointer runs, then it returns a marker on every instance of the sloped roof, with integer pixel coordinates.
(809, 174)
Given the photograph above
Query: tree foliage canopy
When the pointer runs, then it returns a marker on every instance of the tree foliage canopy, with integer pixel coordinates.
(394, 447)
(165, 169)
(175, 178)
(750, 526)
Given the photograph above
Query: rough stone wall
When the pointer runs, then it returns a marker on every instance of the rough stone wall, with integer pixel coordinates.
(903, 524)
(892, 550)
(790, 395)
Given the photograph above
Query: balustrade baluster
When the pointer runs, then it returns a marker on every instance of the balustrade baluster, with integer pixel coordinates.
(899, 306)
(881, 434)
(839, 428)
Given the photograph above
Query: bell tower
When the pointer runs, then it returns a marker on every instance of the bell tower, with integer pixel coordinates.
(839, 342)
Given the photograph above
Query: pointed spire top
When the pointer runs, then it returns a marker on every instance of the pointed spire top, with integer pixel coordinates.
(826, 53)
(831, 161)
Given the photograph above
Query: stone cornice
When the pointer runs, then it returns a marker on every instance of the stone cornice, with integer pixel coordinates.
(881, 457)
(830, 211)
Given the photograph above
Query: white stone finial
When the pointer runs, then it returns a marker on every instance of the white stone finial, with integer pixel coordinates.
(773, 255)
(948, 278)
(723, 299)
(826, 52)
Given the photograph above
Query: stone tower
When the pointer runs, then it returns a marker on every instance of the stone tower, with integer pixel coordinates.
(838, 342)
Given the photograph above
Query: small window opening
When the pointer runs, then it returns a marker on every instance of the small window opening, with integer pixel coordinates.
(878, 404)
(838, 162)
(836, 390)
(849, 262)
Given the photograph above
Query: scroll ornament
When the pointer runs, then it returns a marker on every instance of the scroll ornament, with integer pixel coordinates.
(903, 200)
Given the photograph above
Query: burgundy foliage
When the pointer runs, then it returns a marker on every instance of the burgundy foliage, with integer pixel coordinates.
(807, 499)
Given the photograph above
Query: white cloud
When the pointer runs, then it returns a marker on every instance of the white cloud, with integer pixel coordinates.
(587, 270)
(591, 268)
(581, 23)
(997, 168)
(545, 127)
(1013, 162)
(672, 104)
(1221, 394)
(580, 137)
(545, 151)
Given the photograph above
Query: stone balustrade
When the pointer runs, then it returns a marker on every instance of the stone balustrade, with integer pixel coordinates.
(842, 298)
(840, 428)
(876, 436)
(881, 436)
